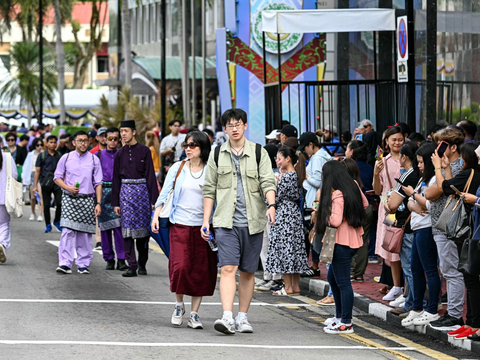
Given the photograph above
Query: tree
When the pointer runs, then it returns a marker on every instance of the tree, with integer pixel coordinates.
(25, 84)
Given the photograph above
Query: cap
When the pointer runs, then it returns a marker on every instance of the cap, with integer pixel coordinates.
(128, 123)
(102, 130)
(92, 133)
(289, 131)
(327, 128)
(273, 134)
(306, 138)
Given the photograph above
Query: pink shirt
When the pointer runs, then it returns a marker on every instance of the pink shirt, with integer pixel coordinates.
(346, 234)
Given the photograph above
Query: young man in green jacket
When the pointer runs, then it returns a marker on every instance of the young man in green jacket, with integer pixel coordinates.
(239, 179)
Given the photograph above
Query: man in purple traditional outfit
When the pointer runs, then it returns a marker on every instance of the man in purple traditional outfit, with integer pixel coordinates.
(134, 192)
(79, 174)
(108, 221)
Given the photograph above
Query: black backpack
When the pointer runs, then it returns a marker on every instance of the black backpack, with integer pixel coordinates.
(258, 155)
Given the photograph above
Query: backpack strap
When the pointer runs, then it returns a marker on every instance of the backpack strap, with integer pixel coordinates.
(216, 154)
(258, 155)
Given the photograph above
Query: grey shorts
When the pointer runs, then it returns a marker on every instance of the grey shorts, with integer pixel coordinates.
(237, 247)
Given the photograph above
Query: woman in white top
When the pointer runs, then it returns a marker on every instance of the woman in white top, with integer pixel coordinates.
(424, 250)
(4, 215)
(192, 264)
(29, 168)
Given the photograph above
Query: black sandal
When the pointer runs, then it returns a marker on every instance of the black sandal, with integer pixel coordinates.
(357, 279)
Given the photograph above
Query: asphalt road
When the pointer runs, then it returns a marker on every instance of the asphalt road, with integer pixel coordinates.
(44, 315)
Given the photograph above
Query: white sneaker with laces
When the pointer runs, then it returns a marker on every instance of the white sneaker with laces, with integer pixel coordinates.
(393, 294)
(396, 303)
(330, 323)
(426, 318)
(267, 285)
(412, 315)
(178, 312)
(40, 219)
(243, 326)
(194, 322)
(224, 325)
(31, 218)
(263, 282)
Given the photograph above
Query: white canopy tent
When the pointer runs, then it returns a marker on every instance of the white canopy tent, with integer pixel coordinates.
(328, 21)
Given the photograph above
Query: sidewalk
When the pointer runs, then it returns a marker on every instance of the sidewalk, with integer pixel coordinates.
(369, 300)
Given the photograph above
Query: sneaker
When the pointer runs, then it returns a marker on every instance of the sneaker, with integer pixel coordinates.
(373, 260)
(64, 270)
(339, 329)
(267, 285)
(393, 294)
(444, 299)
(330, 322)
(458, 331)
(278, 286)
(243, 326)
(398, 311)
(263, 282)
(57, 225)
(40, 218)
(311, 272)
(397, 302)
(226, 326)
(408, 321)
(3, 255)
(83, 270)
(31, 218)
(178, 312)
(98, 246)
(426, 318)
(48, 228)
(464, 334)
(194, 322)
(447, 322)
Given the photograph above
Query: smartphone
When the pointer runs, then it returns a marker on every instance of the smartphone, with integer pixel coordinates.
(455, 189)
(442, 147)
(269, 218)
(398, 180)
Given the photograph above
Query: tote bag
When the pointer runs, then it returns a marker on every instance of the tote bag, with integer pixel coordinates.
(469, 261)
(14, 191)
(326, 256)
(167, 207)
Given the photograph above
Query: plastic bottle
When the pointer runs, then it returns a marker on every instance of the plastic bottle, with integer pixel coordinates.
(211, 241)
(77, 184)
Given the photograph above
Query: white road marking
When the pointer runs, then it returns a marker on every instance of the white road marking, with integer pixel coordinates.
(56, 301)
(196, 345)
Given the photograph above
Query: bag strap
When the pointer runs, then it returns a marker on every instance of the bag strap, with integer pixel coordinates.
(388, 175)
(406, 221)
(178, 173)
(467, 185)
(8, 159)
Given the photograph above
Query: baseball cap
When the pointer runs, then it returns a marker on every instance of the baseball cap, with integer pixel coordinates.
(289, 131)
(92, 133)
(272, 135)
(305, 139)
(327, 128)
(102, 130)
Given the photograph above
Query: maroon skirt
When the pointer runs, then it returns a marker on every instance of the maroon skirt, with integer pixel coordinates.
(192, 265)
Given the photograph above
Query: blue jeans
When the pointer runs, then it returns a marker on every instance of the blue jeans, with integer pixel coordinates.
(406, 259)
(330, 292)
(339, 279)
(424, 263)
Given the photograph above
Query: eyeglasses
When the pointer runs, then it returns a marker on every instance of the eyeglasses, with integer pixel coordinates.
(237, 125)
(82, 141)
(191, 145)
(112, 138)
(11, 139)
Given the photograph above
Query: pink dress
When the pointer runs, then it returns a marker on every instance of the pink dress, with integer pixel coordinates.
(394, 172)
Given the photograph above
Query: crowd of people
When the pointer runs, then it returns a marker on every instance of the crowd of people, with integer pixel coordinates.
(299, 200)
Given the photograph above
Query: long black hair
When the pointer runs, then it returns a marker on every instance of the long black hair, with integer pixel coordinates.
(202, 140)
(409, 149)
(359, 150)
(470, 158)
(34, 144)
(287, 151)
(353, 170)
(426, 150)
(336, 177)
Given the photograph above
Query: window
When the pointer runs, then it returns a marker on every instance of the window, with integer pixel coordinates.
(102, 64)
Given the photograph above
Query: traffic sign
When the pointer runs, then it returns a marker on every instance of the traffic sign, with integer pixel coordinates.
(402, 71)
(402, 38)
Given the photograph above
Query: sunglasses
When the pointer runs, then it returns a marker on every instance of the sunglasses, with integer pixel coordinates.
(366, 126)
(191, 145)
(111, 138)
(39, 145)
(11, 139)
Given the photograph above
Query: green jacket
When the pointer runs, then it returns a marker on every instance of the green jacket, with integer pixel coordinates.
(221, 186)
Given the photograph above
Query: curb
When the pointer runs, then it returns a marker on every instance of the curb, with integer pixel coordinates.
(371, 307)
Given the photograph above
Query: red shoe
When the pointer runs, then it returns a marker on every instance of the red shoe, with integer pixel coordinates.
(458, 331)
(465, 334)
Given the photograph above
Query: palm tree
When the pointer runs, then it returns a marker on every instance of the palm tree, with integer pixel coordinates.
(25, 84)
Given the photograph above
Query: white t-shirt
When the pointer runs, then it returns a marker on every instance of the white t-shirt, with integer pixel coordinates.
(170, 141)
(417, 221)
(189, 209)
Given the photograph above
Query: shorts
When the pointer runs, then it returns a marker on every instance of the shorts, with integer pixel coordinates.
(237, 247)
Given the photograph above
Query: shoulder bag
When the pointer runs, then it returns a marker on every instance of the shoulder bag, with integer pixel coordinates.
(469, 261)
(393, 239)
(459, 227)
(328, 247)
(167, 207)
(14, 191)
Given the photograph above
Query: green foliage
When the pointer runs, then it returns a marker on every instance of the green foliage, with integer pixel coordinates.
(69, 129)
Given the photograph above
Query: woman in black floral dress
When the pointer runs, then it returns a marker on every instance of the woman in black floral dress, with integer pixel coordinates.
(286, 250)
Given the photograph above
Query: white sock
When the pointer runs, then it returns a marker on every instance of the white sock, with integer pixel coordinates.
(228, 315)
(179, 304)
(193, 313)
(241, 316)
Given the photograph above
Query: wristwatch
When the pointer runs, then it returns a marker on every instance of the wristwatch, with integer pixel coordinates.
(272, 205)
(97, 203)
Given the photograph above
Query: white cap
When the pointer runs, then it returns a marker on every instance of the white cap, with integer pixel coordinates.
(272, 135)
(327, 128)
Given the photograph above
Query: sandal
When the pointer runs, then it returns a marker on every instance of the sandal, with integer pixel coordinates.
(280, 292)
(326, 301)
(357, 279)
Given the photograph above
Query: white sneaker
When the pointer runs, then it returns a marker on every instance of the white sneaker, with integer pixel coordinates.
(393, 294)
(226, 326)
(396, 303)
(194, 322)
(267, 285)
(426, 318)
(3, 255)
(243, 326)
(31, 218)
(412, 315)
(177, 319)
(330, 323)
(40, 219)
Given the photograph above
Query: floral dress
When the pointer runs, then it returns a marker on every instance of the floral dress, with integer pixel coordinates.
(286, 249)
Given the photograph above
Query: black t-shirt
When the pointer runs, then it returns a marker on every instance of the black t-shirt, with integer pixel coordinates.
(460, 180)
(410, 178)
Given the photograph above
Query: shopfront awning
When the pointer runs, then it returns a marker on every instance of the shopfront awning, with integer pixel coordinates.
(328, 21)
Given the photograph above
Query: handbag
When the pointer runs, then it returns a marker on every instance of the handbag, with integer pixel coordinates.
(469, 261)
(326, 256)
(393, 239)
(450, 207)
(14, 191)
(459, 227)
(167, 207)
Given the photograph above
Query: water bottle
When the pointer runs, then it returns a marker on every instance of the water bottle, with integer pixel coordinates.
(211, 241)
(37, 197)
